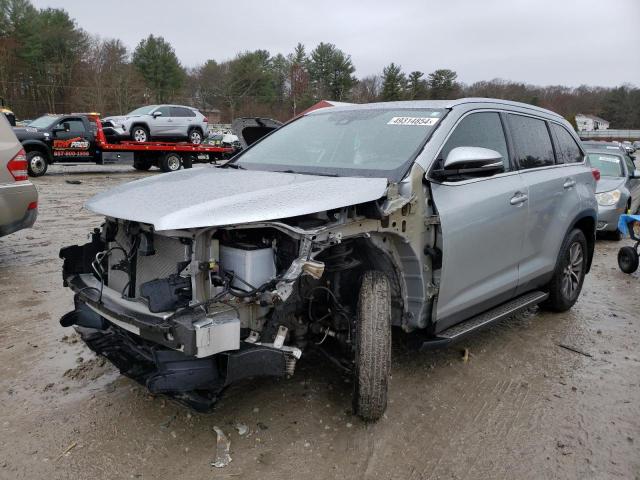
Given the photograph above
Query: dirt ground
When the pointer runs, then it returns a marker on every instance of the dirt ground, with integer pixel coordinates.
(521, 407)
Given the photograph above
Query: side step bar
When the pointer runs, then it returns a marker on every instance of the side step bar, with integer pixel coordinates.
(508, 309)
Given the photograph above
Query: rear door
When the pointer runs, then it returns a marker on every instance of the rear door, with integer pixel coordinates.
(483, 221)
(72, 140)
(554, 199)
(183, 119)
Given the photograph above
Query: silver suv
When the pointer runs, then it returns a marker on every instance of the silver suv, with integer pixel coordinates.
(18, 196)
(160, 121)
(434, 217)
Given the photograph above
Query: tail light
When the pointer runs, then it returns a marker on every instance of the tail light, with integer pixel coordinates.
(32, 206)
(206, 119)
(596, 174)
(18, 166)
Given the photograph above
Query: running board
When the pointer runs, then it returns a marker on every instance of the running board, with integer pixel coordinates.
(508, 309)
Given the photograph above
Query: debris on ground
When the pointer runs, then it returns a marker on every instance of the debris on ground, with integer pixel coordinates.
(573, 349)
(242, 429)
(465, 355)
(73, 182)
(68, 449)
(222, 450)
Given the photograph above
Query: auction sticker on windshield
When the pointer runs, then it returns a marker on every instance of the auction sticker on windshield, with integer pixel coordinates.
(413, 121)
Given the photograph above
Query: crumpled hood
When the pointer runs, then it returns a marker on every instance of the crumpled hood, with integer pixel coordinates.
(210, 196)
(606, 184)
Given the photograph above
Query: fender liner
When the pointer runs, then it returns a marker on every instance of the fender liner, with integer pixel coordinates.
(592, 215)
(39, 145)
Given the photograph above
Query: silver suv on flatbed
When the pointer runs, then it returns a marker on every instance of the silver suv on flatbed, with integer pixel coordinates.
(434, 217)
(155, 122)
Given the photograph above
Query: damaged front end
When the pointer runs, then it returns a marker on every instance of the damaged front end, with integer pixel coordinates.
(186, 312)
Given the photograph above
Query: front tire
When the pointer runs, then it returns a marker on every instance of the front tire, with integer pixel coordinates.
(571, 268)
(37, 164)
(139, 134)
(373, 347)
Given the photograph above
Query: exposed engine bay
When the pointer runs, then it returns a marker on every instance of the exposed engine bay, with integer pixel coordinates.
(187, 312)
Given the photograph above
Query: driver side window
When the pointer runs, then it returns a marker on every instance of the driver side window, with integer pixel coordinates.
(482, 129)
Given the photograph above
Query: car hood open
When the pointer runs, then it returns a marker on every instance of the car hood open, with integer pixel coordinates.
(209, 196)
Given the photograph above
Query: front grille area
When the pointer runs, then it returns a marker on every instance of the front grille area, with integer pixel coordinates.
(169, 253)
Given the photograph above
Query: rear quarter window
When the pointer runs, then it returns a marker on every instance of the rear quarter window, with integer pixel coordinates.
(531, 141)
(568, 150)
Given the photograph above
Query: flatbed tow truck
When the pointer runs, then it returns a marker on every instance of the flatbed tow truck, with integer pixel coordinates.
(80, 138)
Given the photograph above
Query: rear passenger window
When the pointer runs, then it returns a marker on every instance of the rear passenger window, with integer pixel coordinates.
(531, 140)
(182, 112)
(568, 150)
(482, 129)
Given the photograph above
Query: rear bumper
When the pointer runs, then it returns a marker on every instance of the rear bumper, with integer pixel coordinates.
(15, 213)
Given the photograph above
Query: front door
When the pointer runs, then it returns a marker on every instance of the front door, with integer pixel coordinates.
(71, 141)
(161, 125)
(483, 222)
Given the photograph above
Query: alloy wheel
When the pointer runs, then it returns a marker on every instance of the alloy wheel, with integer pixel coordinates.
(573, 272)
(195, 137)
(140, 135)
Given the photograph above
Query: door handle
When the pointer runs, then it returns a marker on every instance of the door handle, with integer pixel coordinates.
(570, 182)
(518, 199)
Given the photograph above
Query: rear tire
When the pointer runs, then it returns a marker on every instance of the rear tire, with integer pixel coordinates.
(170, 162)
(373, 347)
(195, 136)
(140, 134)
(142, 165)
(571, 267)
(628, 259)
(37, 164)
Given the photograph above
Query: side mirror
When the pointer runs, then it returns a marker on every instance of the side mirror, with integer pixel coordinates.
(635, 174)
(471, 161)
(156, 114)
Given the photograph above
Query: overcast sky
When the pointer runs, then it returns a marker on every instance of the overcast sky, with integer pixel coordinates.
(543, 42)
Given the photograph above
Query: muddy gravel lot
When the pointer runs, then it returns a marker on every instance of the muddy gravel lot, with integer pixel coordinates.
(521, 407)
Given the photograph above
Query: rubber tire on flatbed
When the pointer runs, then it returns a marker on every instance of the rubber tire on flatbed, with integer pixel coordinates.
(191, 140)
(558, 301)
(373, 347)
(166, 163)
(45, 165)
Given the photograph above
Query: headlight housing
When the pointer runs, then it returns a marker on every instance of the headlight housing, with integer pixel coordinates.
(606, 199)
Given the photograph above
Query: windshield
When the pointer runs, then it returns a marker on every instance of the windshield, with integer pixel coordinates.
(609, 165)
(142, 110)
(361, 143)
(43, 121)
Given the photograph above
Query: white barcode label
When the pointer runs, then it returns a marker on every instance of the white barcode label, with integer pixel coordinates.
(413, 121)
